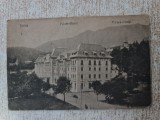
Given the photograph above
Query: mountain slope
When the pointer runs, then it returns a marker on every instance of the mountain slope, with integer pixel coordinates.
(107, 37)
(23, 53)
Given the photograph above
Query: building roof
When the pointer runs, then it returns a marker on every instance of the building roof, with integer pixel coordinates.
(43, 58)
(40, 59)
(57, 51)
(90, 50)
(90, 47)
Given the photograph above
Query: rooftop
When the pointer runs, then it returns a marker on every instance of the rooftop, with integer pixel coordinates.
(90, 50)
(57, 51)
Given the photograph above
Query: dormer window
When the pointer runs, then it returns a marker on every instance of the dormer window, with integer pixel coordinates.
(94, 53)
(74, 53)
(85, 53)
(102, 53)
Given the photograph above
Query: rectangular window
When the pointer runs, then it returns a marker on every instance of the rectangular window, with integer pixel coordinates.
(81, 68)
(94, 62)
(81, 62)
(106, 68)
(75, 85)
(94, 75)
(99, 62)
(89, 75)
(99, 75)
(99, 69)
(89, 62)
(89, 68)
(106, 62)
(90, 85)
(94, 69)
(81, 85)
(106, 75)
(82, 77)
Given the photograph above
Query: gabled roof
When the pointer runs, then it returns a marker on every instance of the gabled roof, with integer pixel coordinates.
(57, 51)
(40, 58)
(43, 58)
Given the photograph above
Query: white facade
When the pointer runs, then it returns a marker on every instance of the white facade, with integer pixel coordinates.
(85, 64)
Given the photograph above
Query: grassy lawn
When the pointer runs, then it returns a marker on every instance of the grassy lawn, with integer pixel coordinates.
(39, 103)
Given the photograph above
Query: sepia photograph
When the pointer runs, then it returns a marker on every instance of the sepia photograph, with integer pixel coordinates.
(78, 63)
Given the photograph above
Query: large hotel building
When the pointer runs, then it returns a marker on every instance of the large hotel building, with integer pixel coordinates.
(85, 64)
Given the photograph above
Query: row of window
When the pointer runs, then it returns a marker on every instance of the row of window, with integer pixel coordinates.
(94, 69)
(94, 62)
(94, 76)
(74, 69)
(73, 62)
(72, 76)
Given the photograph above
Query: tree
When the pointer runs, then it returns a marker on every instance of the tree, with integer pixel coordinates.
(115, 89)
(23, 85)
(96, 87)
(63, 86)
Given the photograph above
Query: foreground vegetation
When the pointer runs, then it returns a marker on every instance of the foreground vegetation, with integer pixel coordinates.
(27, 92)
(135, 88)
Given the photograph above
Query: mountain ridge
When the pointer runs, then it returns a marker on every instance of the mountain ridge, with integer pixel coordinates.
(105, 37)
(23, 53)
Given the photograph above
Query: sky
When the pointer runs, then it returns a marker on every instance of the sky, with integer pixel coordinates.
(35, 32)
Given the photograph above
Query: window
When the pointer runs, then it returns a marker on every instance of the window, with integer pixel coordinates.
(94, 69)
(106, 75)
(81, 68)
(89, 62)
(94, 75)
(82, 77)
(106, 68)
(89, 75)
(81, 85)
(99, 75)
(106, 62)
(99, 62)
(90, 85)
(75, 85)
(81, 62)
(94, 62)
(99, 69)
(89, 68)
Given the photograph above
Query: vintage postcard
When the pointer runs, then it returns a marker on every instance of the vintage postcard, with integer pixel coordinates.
(79, 63)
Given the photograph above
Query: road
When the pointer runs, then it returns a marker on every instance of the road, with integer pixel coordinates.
(87, 100)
